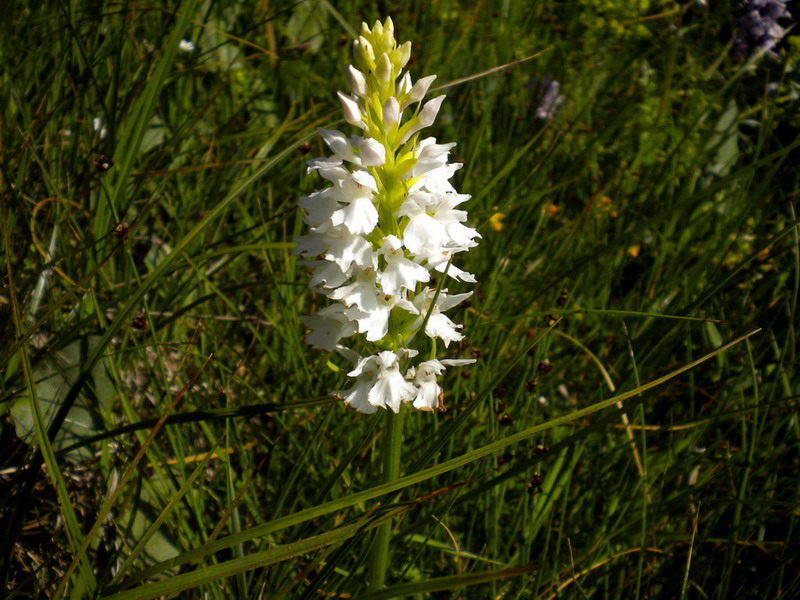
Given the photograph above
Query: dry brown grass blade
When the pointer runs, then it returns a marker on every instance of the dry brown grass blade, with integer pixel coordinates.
(491, 71)
(40, 249)
(566, 583)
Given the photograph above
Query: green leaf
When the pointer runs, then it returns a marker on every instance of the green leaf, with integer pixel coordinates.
(53, 379)
(150, 541)
(307, 26)
(157, 545)
(154, 135)
(725, 141)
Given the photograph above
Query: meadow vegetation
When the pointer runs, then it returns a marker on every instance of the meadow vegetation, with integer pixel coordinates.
(165, 428)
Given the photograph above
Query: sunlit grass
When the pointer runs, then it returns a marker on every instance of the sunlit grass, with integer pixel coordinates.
(153, 309)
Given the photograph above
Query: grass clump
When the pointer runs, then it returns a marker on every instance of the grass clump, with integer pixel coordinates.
(152, 355)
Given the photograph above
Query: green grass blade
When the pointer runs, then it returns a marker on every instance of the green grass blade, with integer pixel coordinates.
(418, 477)
(180, 583)
(438, 584)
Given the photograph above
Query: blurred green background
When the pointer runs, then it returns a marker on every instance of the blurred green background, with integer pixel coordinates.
(634, 176)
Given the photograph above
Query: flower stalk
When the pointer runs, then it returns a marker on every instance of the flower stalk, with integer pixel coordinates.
(388, 223)
(381, 550)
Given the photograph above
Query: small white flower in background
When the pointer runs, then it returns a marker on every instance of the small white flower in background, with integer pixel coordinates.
(186, 46)
(551, 101)
(387, 219)
(99, 128)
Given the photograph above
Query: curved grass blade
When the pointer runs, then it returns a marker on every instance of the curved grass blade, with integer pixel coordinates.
(445, 467)
(603, 311)
(187, 581)
(213, 414)
(173, 502)
(438, 584)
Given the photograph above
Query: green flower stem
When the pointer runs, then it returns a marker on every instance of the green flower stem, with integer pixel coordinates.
(379, 559)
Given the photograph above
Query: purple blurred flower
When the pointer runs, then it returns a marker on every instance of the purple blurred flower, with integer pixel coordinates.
(759, 27)
(551, 100)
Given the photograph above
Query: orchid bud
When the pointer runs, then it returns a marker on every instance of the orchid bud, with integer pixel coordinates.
(377, 31)
(388, 31)
(383, 68)
(401, 56)
(429, 111)
(419, 90)
(364, 54)
(352, 113)
(373, 154)
(405, 84)
(391, 112)
(425, 118)
(358, 83)
(337, 142)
